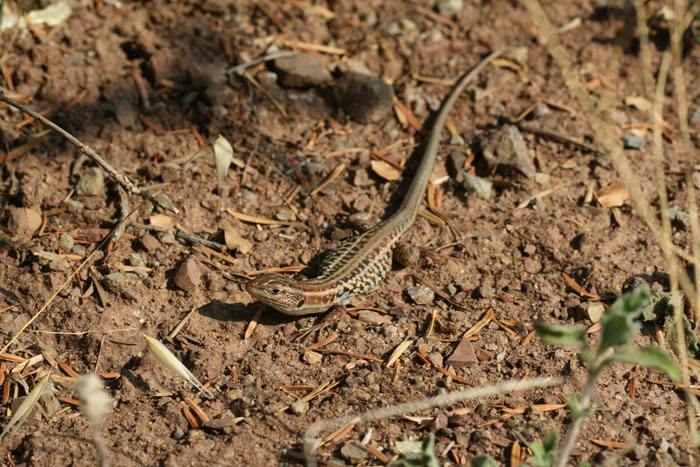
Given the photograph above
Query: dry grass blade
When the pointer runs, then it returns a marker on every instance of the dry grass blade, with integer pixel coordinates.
(166, 357)
(400, 349)
(258, 220)
(486, 319)
(27, 405)
(223, 155)
(335, 174)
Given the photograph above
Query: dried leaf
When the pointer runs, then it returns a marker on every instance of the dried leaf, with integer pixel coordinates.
(223, 155)
(612, 195)
(164, 356)
(27, 405)
(641, 103)
(162, 221)
(385, 170)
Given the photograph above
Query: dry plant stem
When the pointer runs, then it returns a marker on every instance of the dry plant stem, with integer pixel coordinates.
(85, 149)
(572, 435)
(695, 235)
(99, 441)
(607, 137)
(311, 440)
(677, 31)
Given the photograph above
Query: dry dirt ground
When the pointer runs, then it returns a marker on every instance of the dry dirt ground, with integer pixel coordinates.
(141, 81)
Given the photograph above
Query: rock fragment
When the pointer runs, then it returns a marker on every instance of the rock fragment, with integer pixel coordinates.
(188, 276)
(302, 70)
(463, 355)
(365, 98)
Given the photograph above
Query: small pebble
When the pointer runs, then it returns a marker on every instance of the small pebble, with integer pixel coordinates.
(66, 242)
(632, 141)
(421, 295)
(149, 242)
(481, 187)
(24, 221)
(373, 318)
(463, 355)
(92, 183)
(450, 8)
(312, 358)
(188, 276)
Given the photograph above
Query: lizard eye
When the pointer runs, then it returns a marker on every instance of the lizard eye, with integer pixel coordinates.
(275, 291)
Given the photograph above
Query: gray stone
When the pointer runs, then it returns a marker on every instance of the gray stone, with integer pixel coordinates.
(421, 295)
(450, 8)
(115, 281)
(92, 183)
(478, 185)
(365, 98)
(631, 141)
(373, 318)
(302, 70)
(506, 148)
(354, 451)
(126, 114)
(455, 165)
(219, 94)
(53, 261)
(66, 242)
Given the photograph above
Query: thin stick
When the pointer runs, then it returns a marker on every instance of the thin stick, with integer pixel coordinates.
(123, 180)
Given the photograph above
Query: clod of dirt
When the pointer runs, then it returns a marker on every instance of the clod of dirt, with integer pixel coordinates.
(506, 148)
(365, 98)
(463, 355)
(302, 70)
(188, 276)
(24, 221)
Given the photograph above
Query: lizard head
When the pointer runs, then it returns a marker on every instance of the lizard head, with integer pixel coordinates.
(281, 293)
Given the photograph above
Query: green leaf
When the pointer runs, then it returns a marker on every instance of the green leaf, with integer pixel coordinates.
(576, 410)
(561, 334)
(543, 454)
(550, 442)
(658, 308)
(618, 322)
(426, 458)
(484, 461)
(648, 357)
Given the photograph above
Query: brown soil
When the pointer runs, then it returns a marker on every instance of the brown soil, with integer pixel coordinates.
(509, 259)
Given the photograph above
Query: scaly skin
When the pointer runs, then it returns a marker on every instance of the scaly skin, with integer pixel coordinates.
(359, 264)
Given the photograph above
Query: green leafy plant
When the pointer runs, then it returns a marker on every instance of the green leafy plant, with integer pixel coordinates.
(619, 326)
(426, 458)
(543, 454)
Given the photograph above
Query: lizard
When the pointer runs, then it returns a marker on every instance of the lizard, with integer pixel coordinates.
(359, 264)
